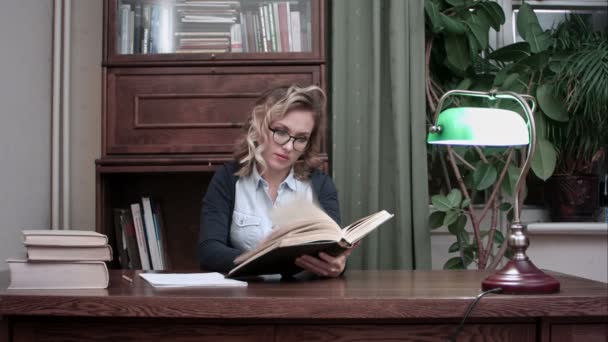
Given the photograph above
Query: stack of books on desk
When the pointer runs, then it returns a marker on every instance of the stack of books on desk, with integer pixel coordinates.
(61, 259)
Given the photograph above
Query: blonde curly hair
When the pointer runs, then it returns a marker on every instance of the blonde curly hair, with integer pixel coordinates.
(273, 105)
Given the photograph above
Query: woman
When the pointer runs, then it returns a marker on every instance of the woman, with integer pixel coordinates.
(275, 162)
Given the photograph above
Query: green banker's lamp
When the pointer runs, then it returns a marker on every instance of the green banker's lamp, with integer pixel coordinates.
(498, 127)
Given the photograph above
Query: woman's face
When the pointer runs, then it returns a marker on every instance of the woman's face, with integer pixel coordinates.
(296, 123)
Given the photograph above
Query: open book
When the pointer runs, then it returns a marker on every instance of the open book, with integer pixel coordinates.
(302, 228)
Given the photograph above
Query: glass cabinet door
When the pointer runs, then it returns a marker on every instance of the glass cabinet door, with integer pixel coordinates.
(144, 27)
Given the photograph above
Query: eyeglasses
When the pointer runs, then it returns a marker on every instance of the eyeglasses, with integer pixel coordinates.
(281, 137)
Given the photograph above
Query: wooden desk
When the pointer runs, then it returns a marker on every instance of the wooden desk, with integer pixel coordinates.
(362, 306)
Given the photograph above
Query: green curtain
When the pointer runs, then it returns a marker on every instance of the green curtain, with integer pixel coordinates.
(378, 127)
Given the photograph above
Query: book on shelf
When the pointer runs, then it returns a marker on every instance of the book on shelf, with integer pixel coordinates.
(301, 228)
(69, 253)
(45, 237)
(152, 235)
(159, 224)
(120, 239)
(140, 231)
(27, 275)
(124, 219)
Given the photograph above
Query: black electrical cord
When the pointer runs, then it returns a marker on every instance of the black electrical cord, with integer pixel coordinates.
(452, 338)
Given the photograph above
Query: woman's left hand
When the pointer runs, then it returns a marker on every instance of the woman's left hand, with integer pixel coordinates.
(325, 265)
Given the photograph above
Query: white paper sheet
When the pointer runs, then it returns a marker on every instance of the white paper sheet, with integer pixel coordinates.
(213, 279)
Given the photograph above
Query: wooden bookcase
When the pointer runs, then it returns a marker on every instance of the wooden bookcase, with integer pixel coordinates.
(169, 118)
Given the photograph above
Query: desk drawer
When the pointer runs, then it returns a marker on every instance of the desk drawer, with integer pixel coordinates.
(187, 109)
(406, 332)
(122, 330)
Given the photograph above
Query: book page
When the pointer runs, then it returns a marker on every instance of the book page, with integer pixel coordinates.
(299, 212)
(212, 279)
(300, 218)
(362, 227)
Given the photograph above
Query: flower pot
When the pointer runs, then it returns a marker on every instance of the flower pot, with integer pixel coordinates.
(572, 198)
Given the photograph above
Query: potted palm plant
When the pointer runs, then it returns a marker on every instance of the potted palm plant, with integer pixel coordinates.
(582, 81)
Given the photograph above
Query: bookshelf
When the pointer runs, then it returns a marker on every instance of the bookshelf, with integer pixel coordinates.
(179, 78)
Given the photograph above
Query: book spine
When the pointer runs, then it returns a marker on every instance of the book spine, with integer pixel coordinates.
(119, 236)
(236, 44)
(131, 31)
(277, 26)
(137, 27)
(262, 17)
(141, 236)
(124, 28)
(244, 29)
(153, 246)
(296, 38)
(128, 227)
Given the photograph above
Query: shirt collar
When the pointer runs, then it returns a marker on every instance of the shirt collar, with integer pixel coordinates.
(290, 180)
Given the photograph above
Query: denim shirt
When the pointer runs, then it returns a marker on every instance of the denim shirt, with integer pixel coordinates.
(251, 216)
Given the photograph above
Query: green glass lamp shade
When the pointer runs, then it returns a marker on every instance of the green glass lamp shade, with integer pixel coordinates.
(480, 127)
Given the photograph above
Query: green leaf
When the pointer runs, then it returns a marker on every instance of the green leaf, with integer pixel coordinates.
(480, 32)
(502, 75)
(465, 203)
(513, 83)
(551, 106)
(510, 215)
(468, 257)
(473, 45)
(484, 175)
(505, 206)
(456, 3)
(441, 203)
(498, 237)
(452, 25)
(494, 151)
(454, 263)
(433, 13)
(510, 182)
(545, 158)
(535, 61)
(455, 197)
(496, 11)
(495, 14)
(511, 53)
(458, 226)
(464, 84)
(450, 217)
(463, 237)
(436, 219)
(455, 247)
(457, 52)
(541, 124)
(529, 28)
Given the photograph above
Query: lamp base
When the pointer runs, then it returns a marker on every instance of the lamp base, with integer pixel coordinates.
(521, 277)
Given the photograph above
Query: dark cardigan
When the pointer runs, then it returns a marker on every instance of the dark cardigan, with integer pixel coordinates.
(215, 253)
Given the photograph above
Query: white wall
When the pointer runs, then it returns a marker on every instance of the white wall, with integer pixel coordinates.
(25, 114)
(26, 37)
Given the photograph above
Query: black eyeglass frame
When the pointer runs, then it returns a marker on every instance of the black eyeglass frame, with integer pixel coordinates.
(291, 137)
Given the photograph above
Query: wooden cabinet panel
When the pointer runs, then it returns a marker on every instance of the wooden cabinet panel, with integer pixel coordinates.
(4, 335)
(61, 331)
(579, 332)
(187, 110)
(344, 333)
